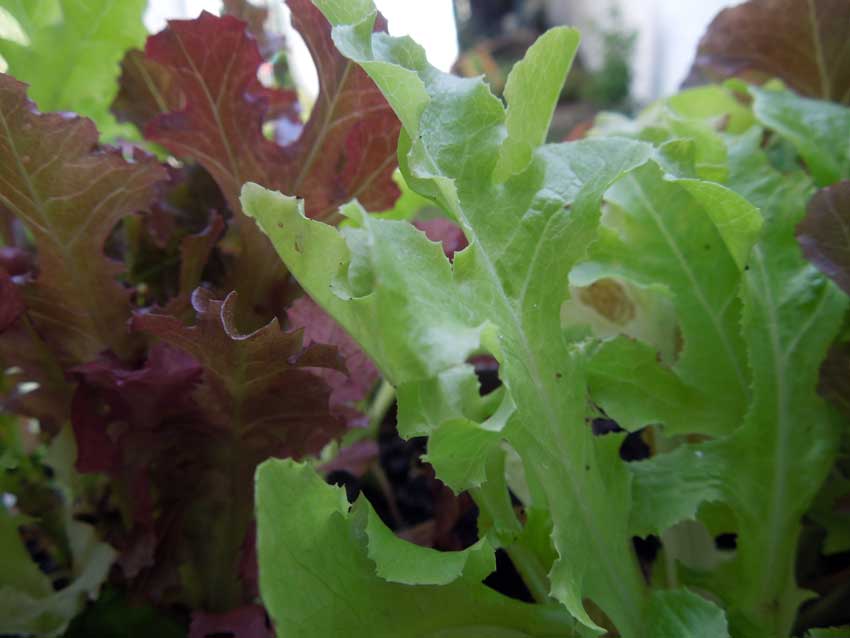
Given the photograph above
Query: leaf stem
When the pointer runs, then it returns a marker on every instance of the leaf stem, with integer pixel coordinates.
(531, 571)
(670, 536)
(381, 403)
(524, 559)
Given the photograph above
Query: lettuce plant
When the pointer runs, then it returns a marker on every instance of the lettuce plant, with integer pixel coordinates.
(144, 317)
(680, 277)
(649, 273)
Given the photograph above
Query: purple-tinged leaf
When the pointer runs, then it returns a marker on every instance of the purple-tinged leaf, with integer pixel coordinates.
(444, 231)
(351, 125)
(15, 261)
(355, 459)
(806, 43)
(147, 89)
(834, 381)
(184, 433)
(11, 301)
(70, 193)
(254, 384)
(346, 150)
(824, 233)
(214, 62)
(249, 621)
(360, 376)
(131, 400)
(195, 251)
(257, 398)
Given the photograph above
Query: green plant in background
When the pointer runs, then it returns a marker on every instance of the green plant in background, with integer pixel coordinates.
(41, 598)
(682, 204)
(610, 85)
(69, 50)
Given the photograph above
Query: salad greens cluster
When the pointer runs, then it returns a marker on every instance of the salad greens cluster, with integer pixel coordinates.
(211, 295)
(579, 254)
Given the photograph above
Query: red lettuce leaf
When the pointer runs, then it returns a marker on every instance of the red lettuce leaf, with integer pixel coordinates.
(347, 148)
(182, 435)
(824, 237)
(351, 126)
(360, 376)
(175, 246)
(249, 621)
(132, 402)
(252, 15)
(70, 193)
(834, 381)
(215, 115)
(356, 459)
(444, 231)
(136, 424)
(195, 252)
(805, 43)
(11, 301)
(824, 233)
(15, 261)
(214, 62)
(254, 384)
(179, 427)
(26, 359)
(146, 89)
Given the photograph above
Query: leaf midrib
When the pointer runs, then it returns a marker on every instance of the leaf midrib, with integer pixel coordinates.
(615, 578)
(695, 284)
(817, 44)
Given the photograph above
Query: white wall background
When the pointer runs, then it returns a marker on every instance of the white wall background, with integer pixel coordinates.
(667, 35)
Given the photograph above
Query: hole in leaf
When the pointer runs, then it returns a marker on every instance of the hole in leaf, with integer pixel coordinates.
(726, 542)
(646, 550)
(347, 480)
(487, 370)
(633, 448)
(506, 579)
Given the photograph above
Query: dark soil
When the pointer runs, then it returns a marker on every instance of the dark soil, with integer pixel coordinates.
(419, 507)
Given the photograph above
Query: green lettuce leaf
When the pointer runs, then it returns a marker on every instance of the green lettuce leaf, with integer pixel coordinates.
(421, 321)
(773, 446)
(677, 613)
(31, 602)
(699, 257)
(788, 442)
(421, 317)
(68, 52)
(319, 578)
(542, 72)
(754, 323)
(818, 130)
